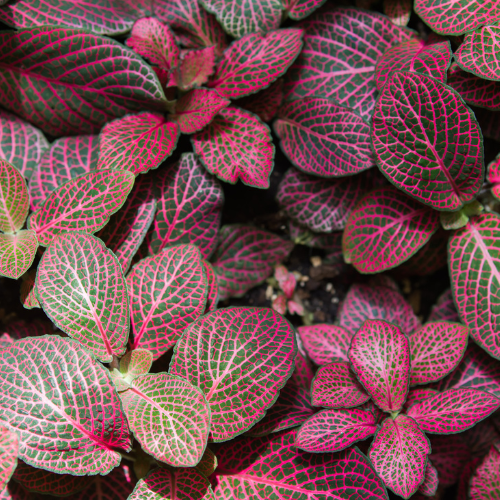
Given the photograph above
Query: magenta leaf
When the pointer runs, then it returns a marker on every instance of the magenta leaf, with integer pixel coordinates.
(197, 108)
(169, 417)
(236, 145)
(485, 481)
(81, 204)
(189, 207)
(21, 144)
(325, 343)
(167, 292)
(92, 79)
(417, 395)
(436, 350)
(439, 164)
(444, 309)
(335, 430)
(266, 102)
(9, 448)
(270, 468)
(258, 361)
(184, 483)
(17, 252)
(398, 11)
(65, 435)
(324, 139)
(255, 61)
(380, 357)
(493, 176)
(303, 374)
(246, 256)
(195, 68)
(14, 200)
(213, 287)
(386, 228)
(449, 457)
(343, 68)
(431, 481)
(431, 59)
(336, 386)
(399, 454)
(299, 9)
(66, 159)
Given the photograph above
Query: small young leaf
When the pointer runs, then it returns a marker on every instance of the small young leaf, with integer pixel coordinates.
(137, 143)
(485, 482)
(398, 11)
(257, 361)
(334, 430)
(14, 200)
(169, 417)
(17, 252)
(380, 357)
(386, 229)
(236, 145)
(439, 163)
(399, 453)
(167, 292)
(444, 309)
(9, 448)
(77, 435)
(300, 9)
(135, 363)
(336, 386)
(431, 481)
(266, 102)
(81, 204)
(255, 61)
(325, 343)
(213, 287)
(208, 463)
(324, 139)
(195, 68)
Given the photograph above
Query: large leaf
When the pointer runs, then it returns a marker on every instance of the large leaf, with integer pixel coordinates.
(299, 9)
(58, 431)
(81, 204)
(335, 430)
(386, 229)
(81, 287)
(236, 145)
(341, 49)
(474, 266)
(436, 350)
(20, 143)
(84, 81)
(195, 68)
(325, 343)
(14, 200)
(169, 417)
(321, 205)
(246, 256)
(255, 61)
(9, 448)
(17, 252)
(66, 159)
(380, 357)
(485, 482)
(137, 143)
(324, 139)
(438, 162)
(444, 309)
(399, 453)
(167, 293)
(257, 359)
(265, 103)
(271, 468)
(240, 17)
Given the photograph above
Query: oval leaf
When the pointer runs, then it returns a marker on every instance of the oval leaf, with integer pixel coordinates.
(9, 448)
(299, 9)
(325, 343)
(431, 481)
(208, 463)
(398, 11)
(135, 363)
(17, 252)
(14, 201)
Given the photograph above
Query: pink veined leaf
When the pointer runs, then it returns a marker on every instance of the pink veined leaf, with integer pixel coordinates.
(183, 483)
(335, 386)
(444, 309)
(167, 293)
(236, 145)
(9, 448)
(255, 61)
(493, 176)
(213, 287)
(431, 59)
(325, 343)
(485, 482)
(127, 228)
(258, 361)
(137, 143)
(197, 108)
(454, 410)
(479, 438)
(439, 163)
(300, 9)
(169, 417)
(21, 329)
(279, 304)
(14, 200)
(246, 256)
(380, 357)
(322, 205)
(436, 350)
(195, 67)
(474, 90)
(343, 68)
(65, 435)
(81, 288)
(431, 481)
(286, 280)
(385, 229)
(417, 395)
(449, 457)
(399, 454)
(67, 158)
(266, 102)
(398, 11)
(135, 363)
(27, 291)
(81, 204)
(271, 468)
(85, 80)
(334, 430)
(189, 207)
(21, 144)
(324, 139)
(464, 479)
(17, 252)
(208, 463)
(474, 269)
(303, 374)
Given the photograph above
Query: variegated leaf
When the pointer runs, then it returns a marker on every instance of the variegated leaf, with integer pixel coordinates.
(417, 395)
(14, 200)
(266, 102)
(9, 448)
(398, 11)
(485, 481)
(208, 463)
(444, 309)
(213, 287)
(325, 343)
(195, 67)
(299, 9)
(27, 291)
(431, 481)
(17, 252)
(135, 363)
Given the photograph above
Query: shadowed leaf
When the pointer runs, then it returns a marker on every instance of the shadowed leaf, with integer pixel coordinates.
(444, 309)
(299, 9)
(485, 482)
(266, 102)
